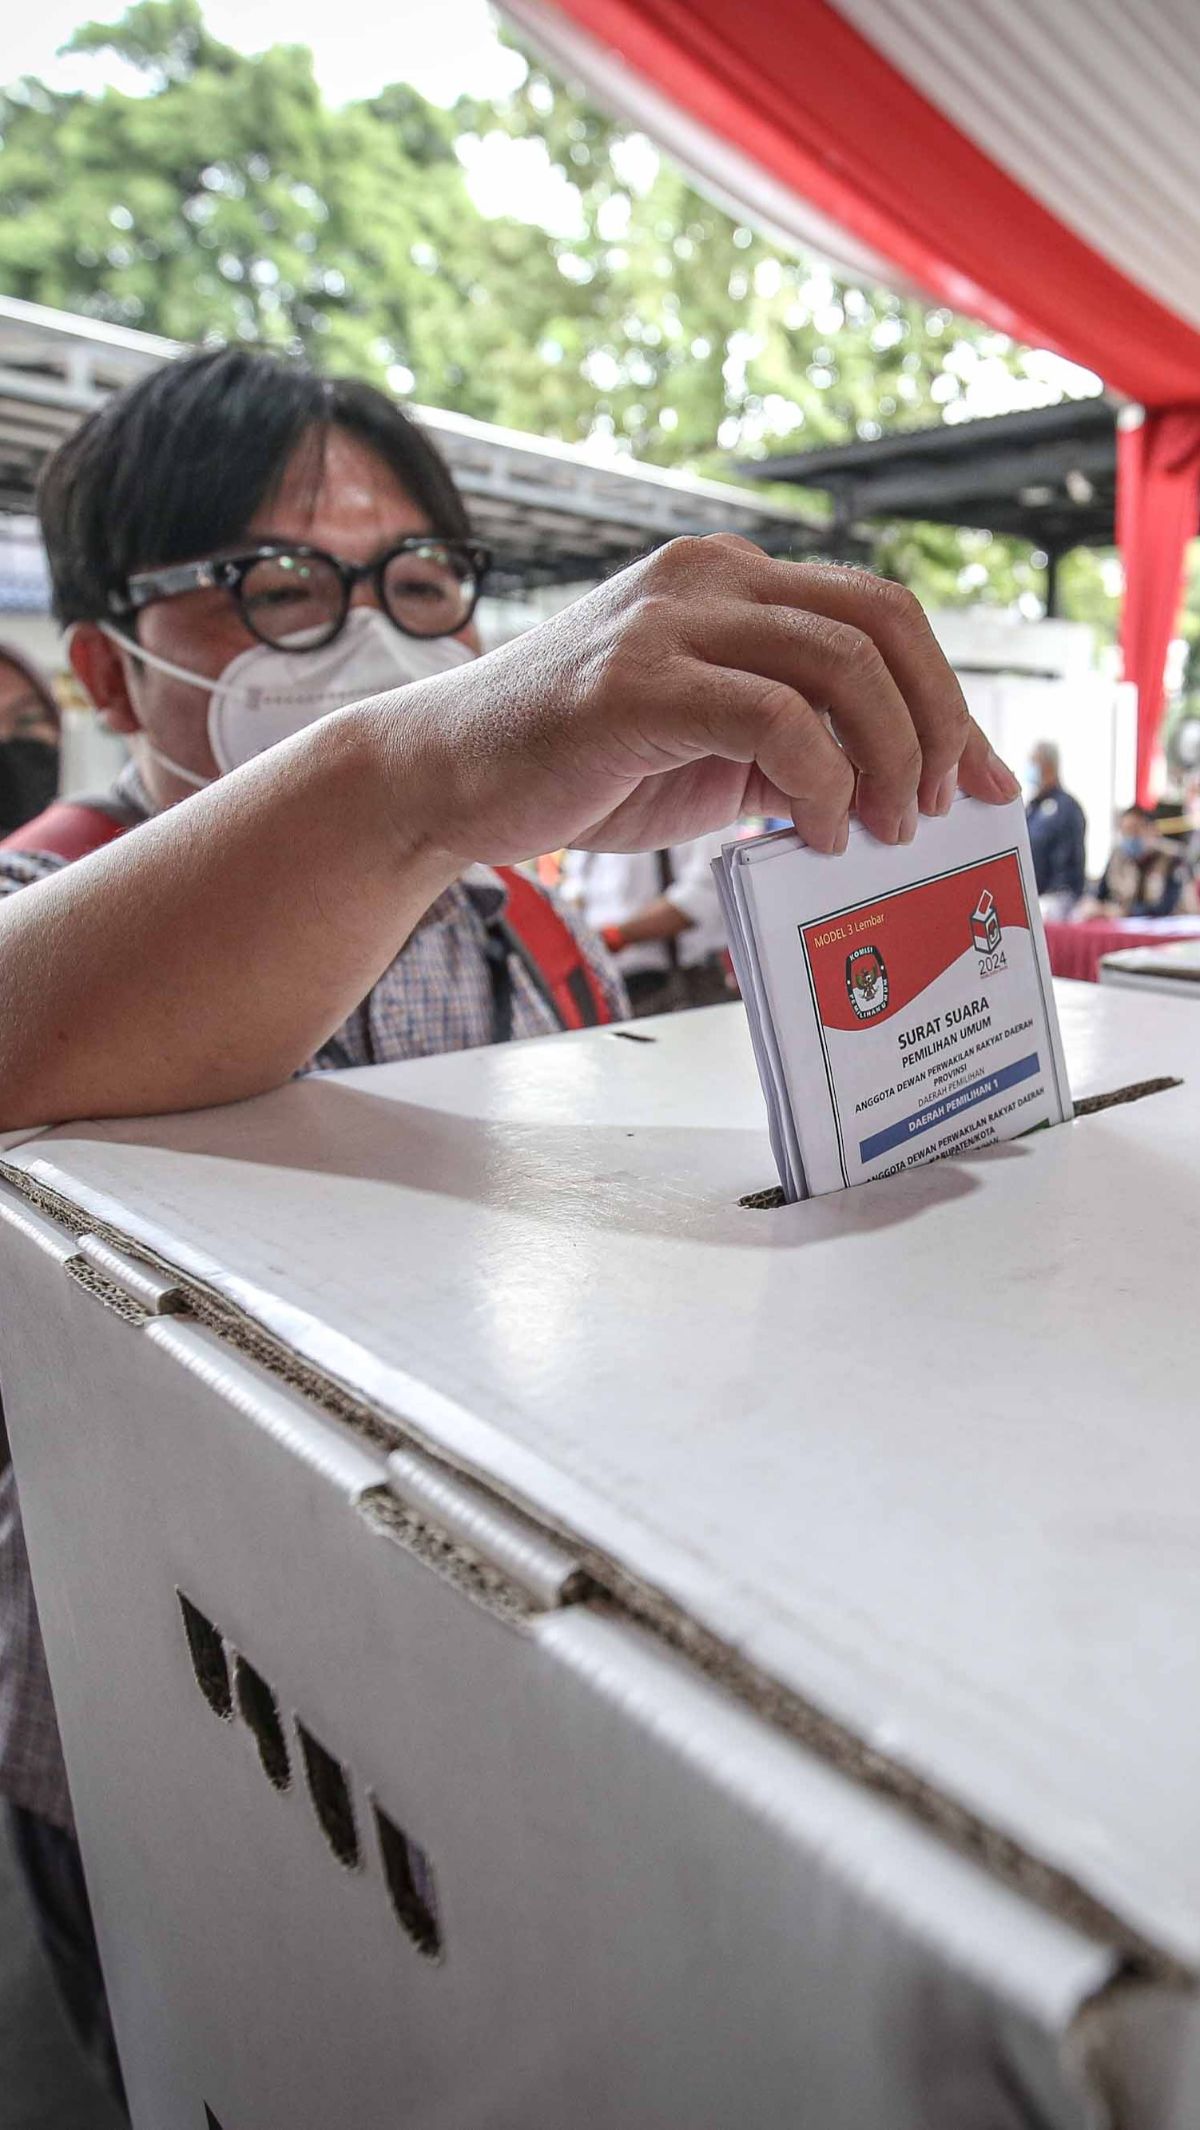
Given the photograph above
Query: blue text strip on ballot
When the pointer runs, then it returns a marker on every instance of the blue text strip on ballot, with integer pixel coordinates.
(969, 1097)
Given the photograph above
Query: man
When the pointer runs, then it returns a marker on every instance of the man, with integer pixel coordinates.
(1146, 876)
(659, 915)
(1057, 833)
(295, 889)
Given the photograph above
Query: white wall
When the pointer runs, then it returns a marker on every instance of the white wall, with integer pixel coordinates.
(1027, 681)
(91, 756)
(37, 636)
(1092, 721)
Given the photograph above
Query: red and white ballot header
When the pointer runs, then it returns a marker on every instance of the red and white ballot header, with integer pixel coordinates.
(874, 959)
(900, 997)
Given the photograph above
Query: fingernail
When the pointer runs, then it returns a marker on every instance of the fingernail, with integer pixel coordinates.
(908, 823)
(841, 838)
(1000, 776)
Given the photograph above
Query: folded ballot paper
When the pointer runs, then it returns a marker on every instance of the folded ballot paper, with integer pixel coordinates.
(899, 995)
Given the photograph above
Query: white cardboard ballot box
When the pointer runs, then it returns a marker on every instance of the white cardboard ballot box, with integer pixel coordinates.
(541, 1643)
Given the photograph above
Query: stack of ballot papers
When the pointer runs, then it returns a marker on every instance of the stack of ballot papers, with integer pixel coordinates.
(899, 996)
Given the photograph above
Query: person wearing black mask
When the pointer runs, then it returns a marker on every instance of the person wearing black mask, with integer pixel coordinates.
(29, 741)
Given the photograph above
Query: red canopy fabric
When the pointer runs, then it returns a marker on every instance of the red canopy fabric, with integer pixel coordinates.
(888, 124)
(1158, 472)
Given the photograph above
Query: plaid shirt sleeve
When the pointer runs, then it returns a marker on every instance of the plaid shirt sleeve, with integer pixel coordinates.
(20, 869)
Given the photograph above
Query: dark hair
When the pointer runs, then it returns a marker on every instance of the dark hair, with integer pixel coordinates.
(176, 466)
(1144, 813)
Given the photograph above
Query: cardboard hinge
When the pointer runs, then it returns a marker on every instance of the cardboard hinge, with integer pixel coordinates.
(543, 1571)
(146, 1291)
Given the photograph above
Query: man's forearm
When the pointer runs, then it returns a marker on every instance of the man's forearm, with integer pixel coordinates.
(204, 957)
(660, 919)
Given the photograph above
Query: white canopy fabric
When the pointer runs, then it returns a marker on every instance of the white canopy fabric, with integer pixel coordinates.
(1033, 162)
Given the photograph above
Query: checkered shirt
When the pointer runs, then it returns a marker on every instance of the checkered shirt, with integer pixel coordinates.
(437, 995)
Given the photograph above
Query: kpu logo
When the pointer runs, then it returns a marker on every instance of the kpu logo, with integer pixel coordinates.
(866, 982)
(986, 934)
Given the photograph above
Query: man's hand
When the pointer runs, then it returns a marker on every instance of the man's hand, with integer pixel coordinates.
(705, 682)
(208, 955)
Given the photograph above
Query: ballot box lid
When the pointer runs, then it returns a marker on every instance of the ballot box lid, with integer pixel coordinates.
(912, 1468)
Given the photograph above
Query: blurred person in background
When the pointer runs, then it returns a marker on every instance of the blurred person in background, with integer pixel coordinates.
(1146, 875)
(30, 731)
(659, 915)
(1057, 833)
(1190, 821)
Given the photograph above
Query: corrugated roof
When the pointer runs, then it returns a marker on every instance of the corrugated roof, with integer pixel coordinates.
(551, 512)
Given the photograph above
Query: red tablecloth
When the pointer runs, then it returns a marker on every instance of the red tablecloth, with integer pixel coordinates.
(1077, 949)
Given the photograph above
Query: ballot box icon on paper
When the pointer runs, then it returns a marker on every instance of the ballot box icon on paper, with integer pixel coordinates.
(985, 924)
(866, 982)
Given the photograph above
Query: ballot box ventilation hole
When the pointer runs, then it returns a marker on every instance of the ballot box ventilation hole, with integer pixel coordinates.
(209, 1662)
(332, 1802)
(407, 1870)
(260, 1712)
(410, 1883)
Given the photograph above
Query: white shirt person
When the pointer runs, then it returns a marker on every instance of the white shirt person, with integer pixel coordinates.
(658, 912)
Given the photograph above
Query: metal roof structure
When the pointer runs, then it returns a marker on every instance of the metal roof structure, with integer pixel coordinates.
(553, 513)
(1047, 475)
(54, 369)
(558, 512)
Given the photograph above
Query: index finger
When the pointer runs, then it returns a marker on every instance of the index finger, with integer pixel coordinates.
(953, 749)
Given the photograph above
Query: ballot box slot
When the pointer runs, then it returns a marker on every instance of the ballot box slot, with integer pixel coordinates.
(771, 1198)
(1091, 1105)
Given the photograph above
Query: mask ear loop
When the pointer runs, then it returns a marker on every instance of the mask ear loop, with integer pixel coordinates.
(211, 686)
(165, 665)
(186, 776)
(215, 686)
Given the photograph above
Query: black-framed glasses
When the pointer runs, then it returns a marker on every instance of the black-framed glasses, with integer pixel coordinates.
(296, 598)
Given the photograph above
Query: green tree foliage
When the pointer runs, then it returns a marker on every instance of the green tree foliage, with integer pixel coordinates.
(221, 197)
(229, 201)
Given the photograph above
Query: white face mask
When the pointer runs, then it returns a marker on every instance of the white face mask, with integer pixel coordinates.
(263, 696)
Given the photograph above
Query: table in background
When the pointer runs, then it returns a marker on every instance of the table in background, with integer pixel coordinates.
(1076, 950)
(1171, 967)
